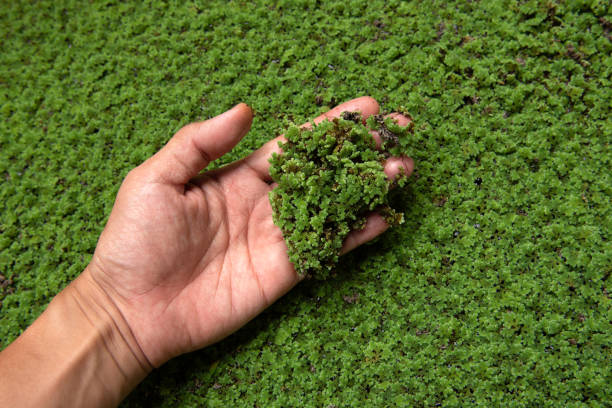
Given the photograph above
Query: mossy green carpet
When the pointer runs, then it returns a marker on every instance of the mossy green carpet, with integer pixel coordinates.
(494, 292)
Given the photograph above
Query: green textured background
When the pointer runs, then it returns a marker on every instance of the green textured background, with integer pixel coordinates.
(491, 294)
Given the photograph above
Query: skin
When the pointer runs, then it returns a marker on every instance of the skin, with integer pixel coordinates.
(185, 260)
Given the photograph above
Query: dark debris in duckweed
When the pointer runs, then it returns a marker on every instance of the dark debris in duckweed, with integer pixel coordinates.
(330, 177)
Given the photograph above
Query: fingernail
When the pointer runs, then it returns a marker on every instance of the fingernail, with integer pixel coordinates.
(242, 105)
(408, 163)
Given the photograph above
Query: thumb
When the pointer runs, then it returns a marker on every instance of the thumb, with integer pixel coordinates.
(197, 144)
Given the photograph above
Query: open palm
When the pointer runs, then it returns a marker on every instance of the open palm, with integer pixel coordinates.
(190, 258)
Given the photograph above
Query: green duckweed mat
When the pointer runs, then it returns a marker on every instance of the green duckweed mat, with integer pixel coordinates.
(496, 289)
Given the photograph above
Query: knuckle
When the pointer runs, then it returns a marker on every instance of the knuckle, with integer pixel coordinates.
(191, 128)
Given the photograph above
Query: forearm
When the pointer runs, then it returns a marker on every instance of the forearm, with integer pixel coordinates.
(79, 352)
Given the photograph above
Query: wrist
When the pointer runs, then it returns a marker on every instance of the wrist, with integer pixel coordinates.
(121, 362)
(79, 352)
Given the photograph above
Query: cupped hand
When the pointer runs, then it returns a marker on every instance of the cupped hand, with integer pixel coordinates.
(188, 258)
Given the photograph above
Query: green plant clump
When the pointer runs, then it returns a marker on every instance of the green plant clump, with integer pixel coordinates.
(329, 178)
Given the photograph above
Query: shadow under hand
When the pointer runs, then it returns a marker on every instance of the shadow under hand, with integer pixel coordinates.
(198, 371)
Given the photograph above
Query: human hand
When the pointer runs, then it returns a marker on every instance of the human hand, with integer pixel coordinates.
(188, 258)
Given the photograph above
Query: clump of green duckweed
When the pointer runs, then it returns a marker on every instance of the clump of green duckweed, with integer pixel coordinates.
(329, 178)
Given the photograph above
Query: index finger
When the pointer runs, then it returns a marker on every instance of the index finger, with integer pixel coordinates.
(259, 162)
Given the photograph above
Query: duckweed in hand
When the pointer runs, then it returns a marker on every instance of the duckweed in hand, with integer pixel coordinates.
(329, 178)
